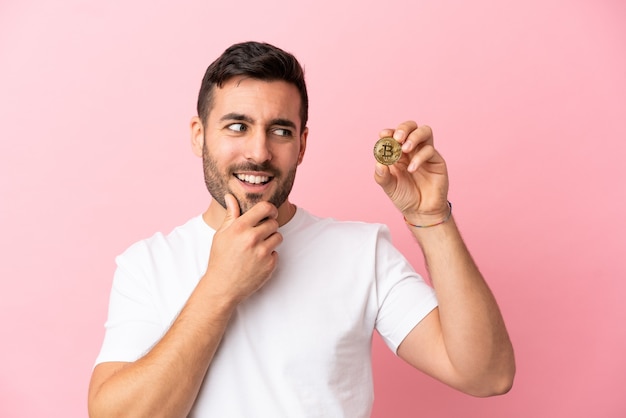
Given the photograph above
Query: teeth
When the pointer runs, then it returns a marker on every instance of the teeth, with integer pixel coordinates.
(252, 179)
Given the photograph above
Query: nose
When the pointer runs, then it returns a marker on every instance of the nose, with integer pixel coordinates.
(257, 148)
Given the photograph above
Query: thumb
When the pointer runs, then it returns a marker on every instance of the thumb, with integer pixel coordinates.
(383, 176)
(232, 207)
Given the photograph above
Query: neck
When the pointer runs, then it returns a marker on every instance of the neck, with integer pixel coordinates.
(286, 211)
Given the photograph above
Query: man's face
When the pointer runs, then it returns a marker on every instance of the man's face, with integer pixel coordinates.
(252, 142)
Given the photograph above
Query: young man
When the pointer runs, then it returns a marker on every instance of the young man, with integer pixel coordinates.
(258, 308)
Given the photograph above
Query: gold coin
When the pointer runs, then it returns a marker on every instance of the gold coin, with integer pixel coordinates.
(387, 150)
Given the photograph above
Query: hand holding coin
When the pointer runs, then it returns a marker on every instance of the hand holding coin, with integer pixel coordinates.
(387, 150)
(418, 186)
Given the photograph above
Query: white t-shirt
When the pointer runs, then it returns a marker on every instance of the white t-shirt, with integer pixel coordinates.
(298, 347)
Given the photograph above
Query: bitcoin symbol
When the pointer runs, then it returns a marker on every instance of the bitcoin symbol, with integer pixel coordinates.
(387, 151)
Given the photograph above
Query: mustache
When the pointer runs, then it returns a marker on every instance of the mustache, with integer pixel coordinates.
(265, 167)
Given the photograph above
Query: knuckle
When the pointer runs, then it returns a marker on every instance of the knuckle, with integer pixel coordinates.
(272, 224)
(247, 240)
(267, 205)
(265, 253)
(267, 209)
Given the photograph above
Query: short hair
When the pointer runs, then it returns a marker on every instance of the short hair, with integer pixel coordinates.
(256, 60)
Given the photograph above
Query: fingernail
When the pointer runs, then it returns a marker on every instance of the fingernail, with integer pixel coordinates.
(406, 146)
(379, 170)
(397, 135)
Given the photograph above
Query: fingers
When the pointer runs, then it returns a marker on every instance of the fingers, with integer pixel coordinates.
(424, 154)
(259, 225)
(262, 221)
(417, 143)
(409, 135)
(243, 252)
(260, 214)
(232, 207)
(383, 176)
(253, 217)
(419, 179)
(401, 131)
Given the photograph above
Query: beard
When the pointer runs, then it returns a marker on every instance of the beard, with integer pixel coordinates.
(217, 184)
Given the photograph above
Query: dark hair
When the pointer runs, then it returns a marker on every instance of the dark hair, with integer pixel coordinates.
(256, 60)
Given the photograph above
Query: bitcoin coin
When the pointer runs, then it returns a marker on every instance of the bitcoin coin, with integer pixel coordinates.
(387, 150)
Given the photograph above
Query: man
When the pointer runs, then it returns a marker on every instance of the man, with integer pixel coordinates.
(259, 309)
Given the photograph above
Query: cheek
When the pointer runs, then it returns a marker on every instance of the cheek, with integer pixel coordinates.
(286, 164)
(289, 155)
(223, 156)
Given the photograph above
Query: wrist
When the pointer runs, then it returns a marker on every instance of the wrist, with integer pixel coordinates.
(430, 219)
(222, 299)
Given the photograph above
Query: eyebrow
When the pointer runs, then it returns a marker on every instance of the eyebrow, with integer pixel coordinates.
(245, 118)
(283, 122)
(236, 116)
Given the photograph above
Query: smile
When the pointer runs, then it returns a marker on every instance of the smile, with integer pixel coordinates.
(248, 178)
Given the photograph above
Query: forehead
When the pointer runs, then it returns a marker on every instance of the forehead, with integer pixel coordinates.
(259, 99)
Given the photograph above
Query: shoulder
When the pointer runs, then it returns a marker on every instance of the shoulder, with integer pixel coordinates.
(162, 245)
(339, 231)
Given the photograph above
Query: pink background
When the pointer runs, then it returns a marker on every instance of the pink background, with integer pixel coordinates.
(528, 103)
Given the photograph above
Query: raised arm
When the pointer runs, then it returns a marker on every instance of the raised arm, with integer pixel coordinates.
(165, 382)
(464, 342)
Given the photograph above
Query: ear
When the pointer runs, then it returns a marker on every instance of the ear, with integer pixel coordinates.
(197, 135)
(303, 137)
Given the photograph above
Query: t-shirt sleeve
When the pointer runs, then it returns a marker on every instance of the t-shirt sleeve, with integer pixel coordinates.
(133, 325)
(404, 298)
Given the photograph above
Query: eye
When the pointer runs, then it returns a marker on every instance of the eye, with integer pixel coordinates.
(237, 127)
(283, 132)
